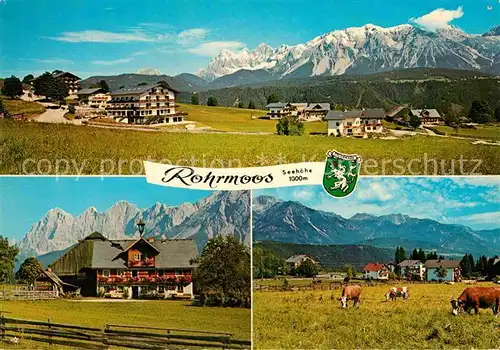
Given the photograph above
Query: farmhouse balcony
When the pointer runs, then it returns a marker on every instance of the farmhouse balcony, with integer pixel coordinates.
(157, 280)
(148, 262)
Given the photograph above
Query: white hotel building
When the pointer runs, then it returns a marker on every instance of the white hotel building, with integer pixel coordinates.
(148, 104)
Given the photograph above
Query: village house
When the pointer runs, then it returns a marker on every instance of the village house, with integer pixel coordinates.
(375, 271)
(278, 110)
(453, 271)
(148, 104)
(70, 80)
(414, 269)
(355, 122)
(93, 97)
(316, 111)
(295, 261)
(297, 109)
(129, 267)
(427, 116)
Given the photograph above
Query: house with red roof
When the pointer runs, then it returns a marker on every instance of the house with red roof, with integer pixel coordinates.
(376, 271)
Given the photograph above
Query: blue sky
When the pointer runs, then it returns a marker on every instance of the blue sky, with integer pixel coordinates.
(24, 200)
(91, 37)
(470, 201)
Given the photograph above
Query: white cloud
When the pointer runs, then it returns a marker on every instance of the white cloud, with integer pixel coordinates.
(99, 36)
(438, 19)
(487, 181)
(213, 48)
(193, 33)
(303, 194)
(113, 62)
(478, 219)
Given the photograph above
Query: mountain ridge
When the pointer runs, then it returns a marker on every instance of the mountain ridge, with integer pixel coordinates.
(366, 49)
(299, 224)
(57, 230)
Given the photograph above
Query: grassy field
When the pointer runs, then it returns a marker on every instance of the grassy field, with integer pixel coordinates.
(280, 281)
(302, 320)
(88, 150)
(165, 314)
(490, 132)
(239, 119)
(19, 106)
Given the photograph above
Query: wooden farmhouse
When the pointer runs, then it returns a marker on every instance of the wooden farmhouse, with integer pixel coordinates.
(129, 267)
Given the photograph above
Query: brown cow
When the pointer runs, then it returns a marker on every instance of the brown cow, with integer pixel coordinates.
(475, 298)
(350, 293)
(395, 292)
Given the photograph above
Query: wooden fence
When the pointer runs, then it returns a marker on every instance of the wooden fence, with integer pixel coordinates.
(124, 336)
(24, 294)
(325, 285)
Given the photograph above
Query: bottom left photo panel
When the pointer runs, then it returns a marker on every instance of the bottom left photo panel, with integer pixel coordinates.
(115, 262)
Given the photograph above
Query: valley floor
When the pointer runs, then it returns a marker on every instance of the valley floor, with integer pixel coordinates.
(311, 319)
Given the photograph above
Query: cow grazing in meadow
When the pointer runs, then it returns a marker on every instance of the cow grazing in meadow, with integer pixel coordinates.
(350, 293)
(395, 292)
(476, 298)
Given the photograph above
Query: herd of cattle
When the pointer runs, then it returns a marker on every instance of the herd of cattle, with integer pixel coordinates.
(472, 298)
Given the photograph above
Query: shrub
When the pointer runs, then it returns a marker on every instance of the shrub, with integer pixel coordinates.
(212, 101)
(290, 126)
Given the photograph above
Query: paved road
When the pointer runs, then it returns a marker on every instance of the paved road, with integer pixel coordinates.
(53, 116)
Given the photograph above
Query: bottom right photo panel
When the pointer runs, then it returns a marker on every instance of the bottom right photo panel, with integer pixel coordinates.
(403, 262)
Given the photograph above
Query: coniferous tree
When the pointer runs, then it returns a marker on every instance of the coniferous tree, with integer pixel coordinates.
(104, 85)
(251, 105)
(480, 112)
(8, 255)
(273, 98)
(421, 255)
(414, 254)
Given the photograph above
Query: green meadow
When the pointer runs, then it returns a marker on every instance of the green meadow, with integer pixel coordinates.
(489, 131)
(151, 313)
(239, 119)
(29, 147)
(311, 319)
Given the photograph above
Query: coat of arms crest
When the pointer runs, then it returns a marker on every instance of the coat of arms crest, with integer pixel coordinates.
(341, 173)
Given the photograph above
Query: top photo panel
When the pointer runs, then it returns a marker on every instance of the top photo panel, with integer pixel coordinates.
(97, 88)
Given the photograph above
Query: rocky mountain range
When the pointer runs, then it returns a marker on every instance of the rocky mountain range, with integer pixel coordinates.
(364, 50)
(292, 222)
(221, 213)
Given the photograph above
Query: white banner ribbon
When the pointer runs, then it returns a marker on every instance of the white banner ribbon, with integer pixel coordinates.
(228, 179)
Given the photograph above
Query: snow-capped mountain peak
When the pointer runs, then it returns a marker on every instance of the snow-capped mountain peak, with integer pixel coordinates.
(220, 213)
(366, 49)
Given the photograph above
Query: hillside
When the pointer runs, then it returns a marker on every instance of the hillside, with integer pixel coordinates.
(421, 87)
(331, 256)
(131, 80)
